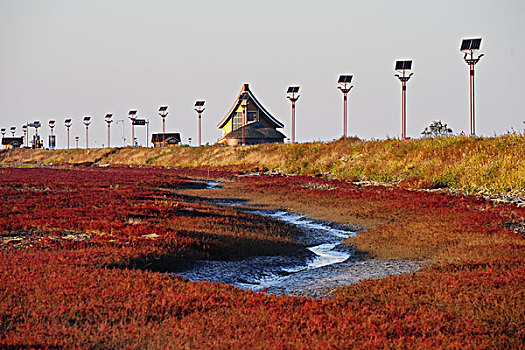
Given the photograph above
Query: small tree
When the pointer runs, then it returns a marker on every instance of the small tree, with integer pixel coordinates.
(437, 129)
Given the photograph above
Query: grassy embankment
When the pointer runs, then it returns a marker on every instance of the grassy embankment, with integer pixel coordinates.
(474, 165)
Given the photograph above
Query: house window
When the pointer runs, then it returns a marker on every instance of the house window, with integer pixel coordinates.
(252, 116)
(237, 120)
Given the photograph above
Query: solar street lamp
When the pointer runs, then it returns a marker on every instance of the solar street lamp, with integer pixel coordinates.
(87, 121)
(163, 112)
(402, 67)
(109, 121)
(199, 108)
(36, 124)
(36, 139)
(3, 131)
(244, 100)
(51, 124)
(76, 140)
(24, 129)
(293, 97)
(13, 130)
(344, 82)
(469, 46)
(132, 116)
(68, 124)
(52, 138)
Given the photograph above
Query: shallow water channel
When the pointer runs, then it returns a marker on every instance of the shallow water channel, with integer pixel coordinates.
(325, 265)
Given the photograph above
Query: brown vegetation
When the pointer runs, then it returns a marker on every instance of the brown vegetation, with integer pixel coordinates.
(474, 165)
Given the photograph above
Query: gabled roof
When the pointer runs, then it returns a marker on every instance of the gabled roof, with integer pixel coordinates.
(6, 141)
(246, 88)
(167, 137)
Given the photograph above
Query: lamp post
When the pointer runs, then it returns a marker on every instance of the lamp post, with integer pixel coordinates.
(36, 139)
(68, 124)
(163, 112)
(52, 138)
(199, 108)
(469, 46)
(51, 124)
(87, 121)
(13, 130)
(147, 132)
(344, 82)
(402, 67)
(292, 91)
(76, 140)
(3, 131)
(109, 121)
(132, 116)
(24, 129)
(121, 121)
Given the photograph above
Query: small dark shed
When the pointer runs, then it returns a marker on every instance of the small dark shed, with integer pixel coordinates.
(166, 140)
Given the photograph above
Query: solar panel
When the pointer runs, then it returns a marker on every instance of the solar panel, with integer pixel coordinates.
(199, 103)
(403, 65)
(244, 96)
(51, 122)
(292, 89)
(345, 79)
(465, 44)
(67, 121)
(13, 128)
(109, 115)
(163, 108)
(132, 112)
(470, 44)
(476, 43)
(86, 119)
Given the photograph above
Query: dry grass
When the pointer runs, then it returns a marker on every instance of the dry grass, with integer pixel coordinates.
(474, 165)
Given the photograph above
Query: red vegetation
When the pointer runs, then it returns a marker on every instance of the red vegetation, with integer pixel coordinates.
(79, 246)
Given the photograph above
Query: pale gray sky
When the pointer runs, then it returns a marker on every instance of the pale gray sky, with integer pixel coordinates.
(70, 58)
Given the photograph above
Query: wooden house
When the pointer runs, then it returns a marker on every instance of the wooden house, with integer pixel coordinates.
(166, 140)
(12, 142)
(256, 127)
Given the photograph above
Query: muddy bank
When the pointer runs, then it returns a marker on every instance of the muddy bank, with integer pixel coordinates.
(324, 266)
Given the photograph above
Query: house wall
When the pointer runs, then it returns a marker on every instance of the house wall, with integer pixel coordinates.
(235, 142)
(228, 127)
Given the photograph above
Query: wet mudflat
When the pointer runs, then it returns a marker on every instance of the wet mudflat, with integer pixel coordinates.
(325, 264)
